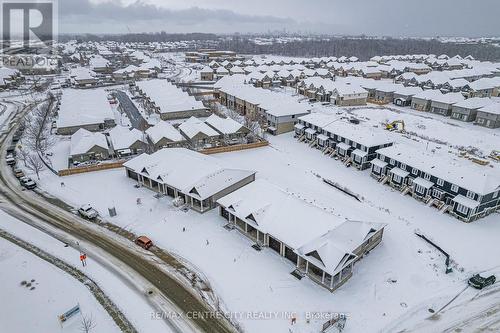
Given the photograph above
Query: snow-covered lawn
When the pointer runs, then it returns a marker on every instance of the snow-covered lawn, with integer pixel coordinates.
(400, 273)
(51, 292)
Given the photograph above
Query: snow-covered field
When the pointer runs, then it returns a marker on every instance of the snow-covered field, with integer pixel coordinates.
(435, 128)
(51, 292)
(401, 273)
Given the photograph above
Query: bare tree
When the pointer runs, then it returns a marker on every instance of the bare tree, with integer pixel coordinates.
(87, 324)
(34, 163)
(23, 155)
(252, 124)
(37, 133)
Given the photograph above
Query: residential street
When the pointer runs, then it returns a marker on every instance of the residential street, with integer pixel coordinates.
(136, 118)
(164, 289)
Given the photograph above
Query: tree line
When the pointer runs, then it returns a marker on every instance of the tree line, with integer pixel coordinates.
(362, 47)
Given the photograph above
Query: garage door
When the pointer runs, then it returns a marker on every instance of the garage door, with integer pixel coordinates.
(274, 244)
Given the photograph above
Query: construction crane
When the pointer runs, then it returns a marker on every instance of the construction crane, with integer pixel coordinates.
(396, 125)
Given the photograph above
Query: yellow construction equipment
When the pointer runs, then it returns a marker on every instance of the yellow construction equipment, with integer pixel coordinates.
(396, 125)
(495, 155)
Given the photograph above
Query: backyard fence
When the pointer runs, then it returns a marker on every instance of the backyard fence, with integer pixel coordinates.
(227, 149)
(90, 168)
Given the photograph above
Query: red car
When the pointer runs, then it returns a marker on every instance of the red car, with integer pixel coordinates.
(144, 242)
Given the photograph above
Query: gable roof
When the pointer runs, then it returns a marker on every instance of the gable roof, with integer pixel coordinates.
(193, 126)
(164, 130)
(186, 170)
(223, 125)
(122, 137)
(82, 141)
(300, 225)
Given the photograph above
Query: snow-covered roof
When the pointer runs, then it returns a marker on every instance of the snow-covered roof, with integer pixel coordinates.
(300, 225)
(485, 83)
(452, 168)
(366, 136)
(196, 174)
(84, 107)
(82, 73)
(193, 126)
(318, 119)
(407, 91)
(164, 130)
(123, 137)
(450, 98)
(423, 182)
(168, 97)
(98, 61)
(128, 69)
(493, 108)
(223, 125)
(464, 201)
(474, 103)
(335, 248)
(275, 104)
(428, 95)
(82, 141)
(379, 163)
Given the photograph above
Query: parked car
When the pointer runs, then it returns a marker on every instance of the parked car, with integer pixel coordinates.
(27, 183)
(479, 282)
(144, 242)
(10, 160)
(88, 212)
(11, 150)
(18, 173)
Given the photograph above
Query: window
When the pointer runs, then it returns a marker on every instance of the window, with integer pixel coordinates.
(414, 171)
(402, 166)
(376, 168)
(495, 194)
(396, 178)
(462, 209)
(471, 194)
(440, 182)
(454, 188)
(437, 193)
(392, 162)
(427, 176)
(419, 189)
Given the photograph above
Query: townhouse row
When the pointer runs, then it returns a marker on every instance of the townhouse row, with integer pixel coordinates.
(316, 244)
(276, 113)
(451, 183)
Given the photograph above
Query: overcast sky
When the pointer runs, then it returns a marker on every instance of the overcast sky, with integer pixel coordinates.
(371, 17)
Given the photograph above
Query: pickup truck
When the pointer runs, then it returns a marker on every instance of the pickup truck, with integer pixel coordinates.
(88, 212)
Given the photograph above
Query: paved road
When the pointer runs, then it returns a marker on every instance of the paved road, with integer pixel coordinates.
(136, 118)
(167, 291)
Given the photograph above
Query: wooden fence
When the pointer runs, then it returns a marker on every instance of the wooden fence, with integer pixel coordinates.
(119, 164)
(90, 168)
(227, 149)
